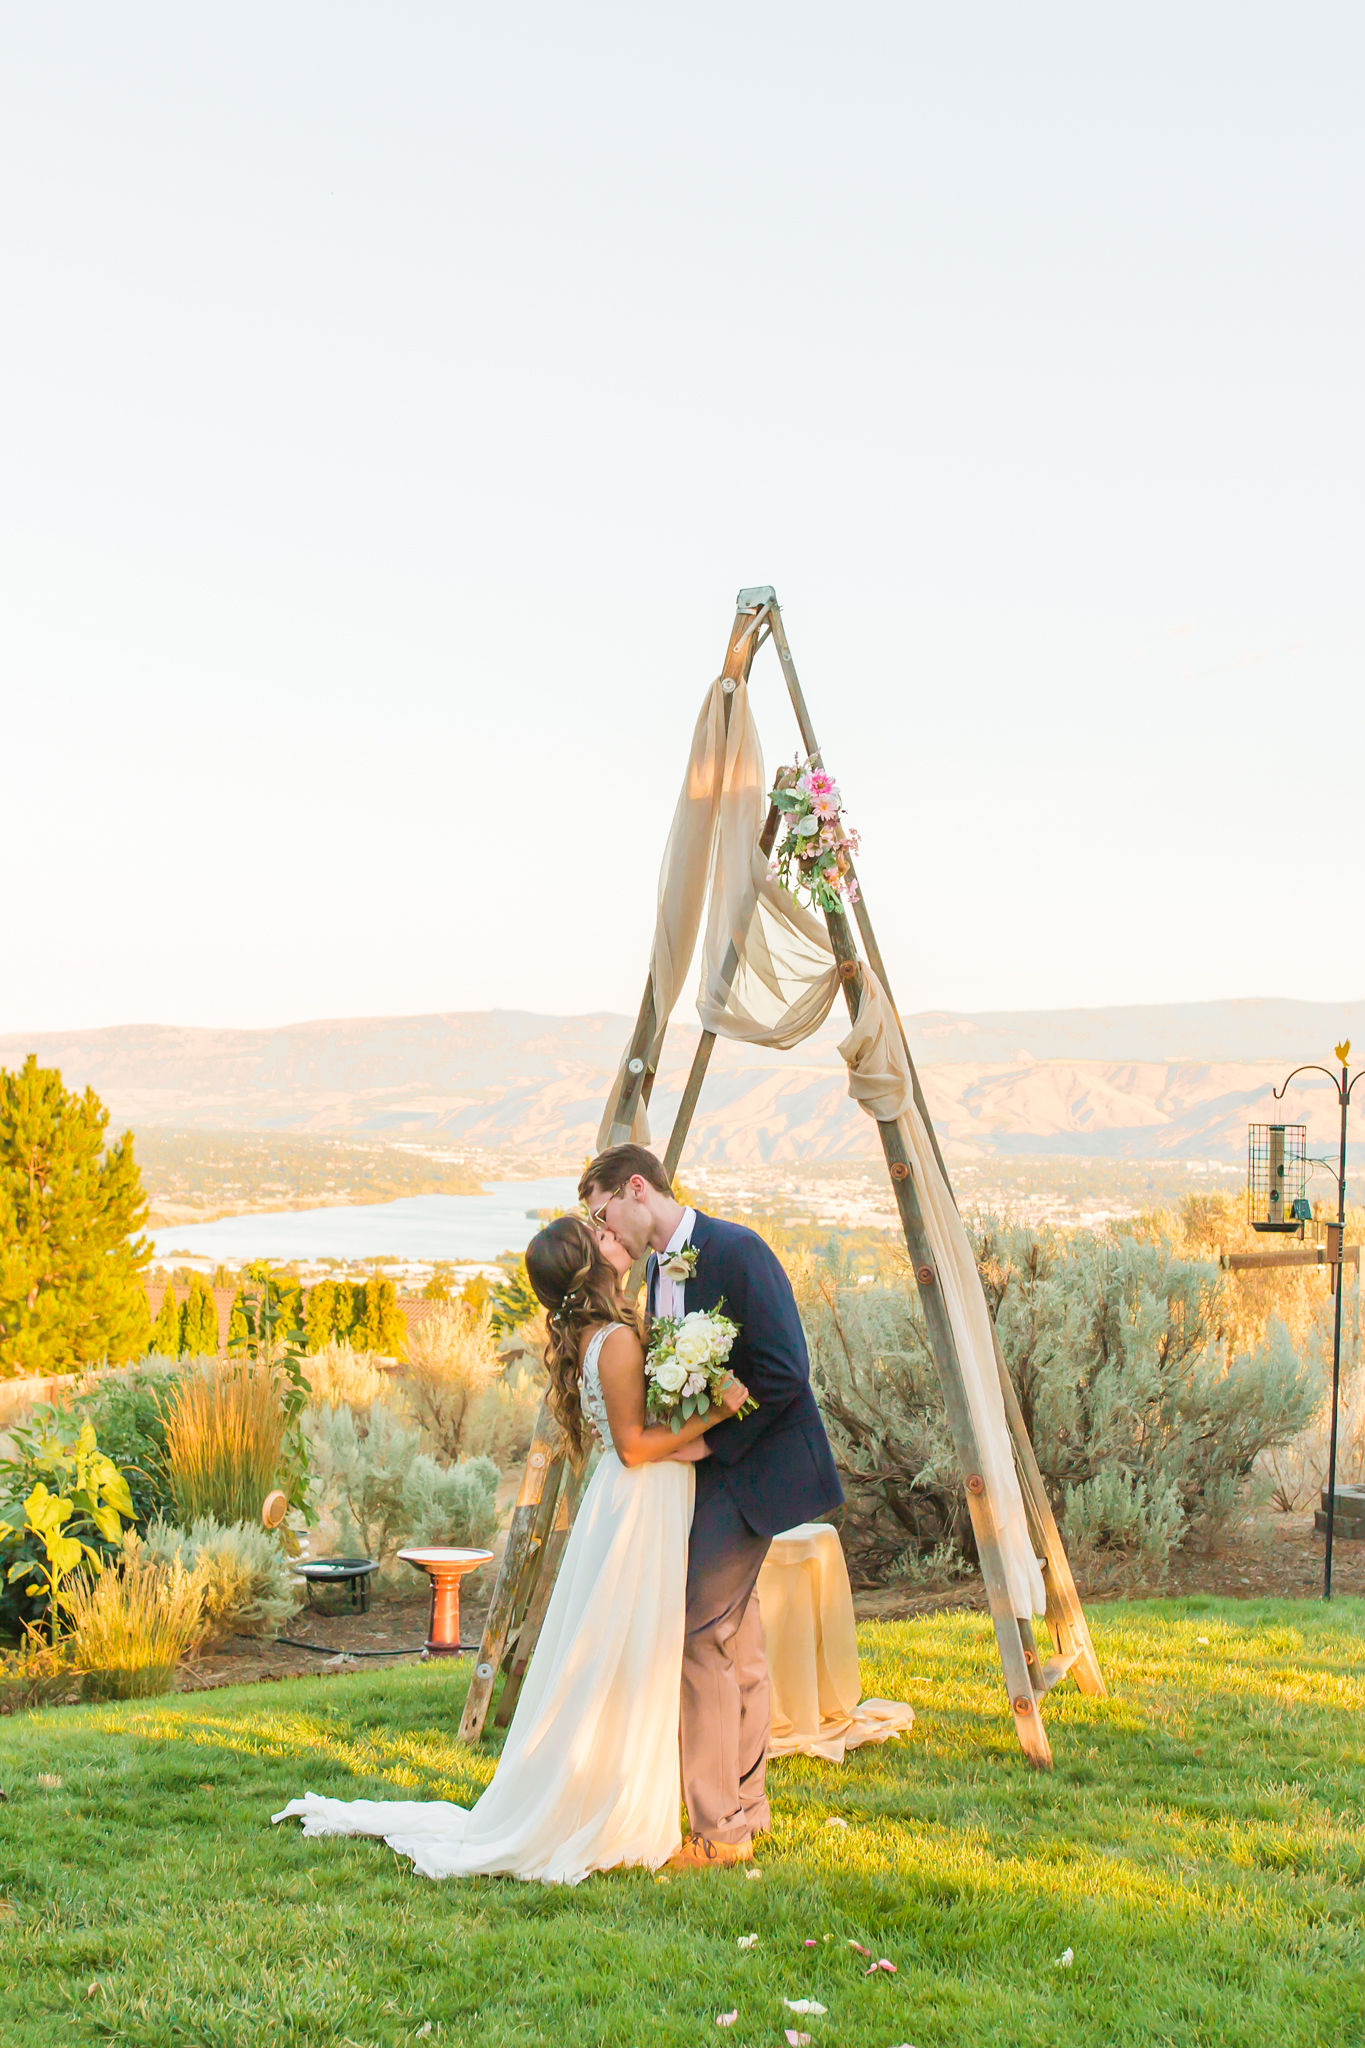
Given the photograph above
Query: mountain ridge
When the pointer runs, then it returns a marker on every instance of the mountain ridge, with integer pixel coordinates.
(1148, 1080)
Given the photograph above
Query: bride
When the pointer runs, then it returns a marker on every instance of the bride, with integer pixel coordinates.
(589, 1776)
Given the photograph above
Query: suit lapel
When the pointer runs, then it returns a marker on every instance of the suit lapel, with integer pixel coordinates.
(701, 1291)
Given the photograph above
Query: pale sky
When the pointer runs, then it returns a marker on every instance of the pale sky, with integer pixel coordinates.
(396, 396)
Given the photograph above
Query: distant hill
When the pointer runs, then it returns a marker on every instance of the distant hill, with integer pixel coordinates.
(1159, 1080)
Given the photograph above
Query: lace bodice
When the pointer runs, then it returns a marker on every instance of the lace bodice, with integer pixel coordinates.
(590, 1395)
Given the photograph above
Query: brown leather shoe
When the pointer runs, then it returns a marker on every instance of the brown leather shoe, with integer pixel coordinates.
(699, 1852)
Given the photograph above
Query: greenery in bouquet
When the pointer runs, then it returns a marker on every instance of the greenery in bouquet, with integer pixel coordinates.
(813, 855)
(686, 1365)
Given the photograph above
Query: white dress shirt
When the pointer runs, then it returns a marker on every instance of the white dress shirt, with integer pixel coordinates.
(668, 1292)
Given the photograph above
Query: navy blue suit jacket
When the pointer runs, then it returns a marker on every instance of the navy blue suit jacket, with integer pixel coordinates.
(776, 1464)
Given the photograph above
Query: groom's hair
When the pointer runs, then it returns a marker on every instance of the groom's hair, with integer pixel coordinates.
(619, 1163)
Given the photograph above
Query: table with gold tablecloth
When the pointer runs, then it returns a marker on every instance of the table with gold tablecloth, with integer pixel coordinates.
(807, 1606)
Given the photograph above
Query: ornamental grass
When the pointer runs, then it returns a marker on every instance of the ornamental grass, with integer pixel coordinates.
(131, 1625)
(225, 1431)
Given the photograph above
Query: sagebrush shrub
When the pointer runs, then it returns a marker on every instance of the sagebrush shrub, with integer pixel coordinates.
(460, 1393)
(339, 1376)
(240, 1571)
(370, 1472)
(1144, 1424)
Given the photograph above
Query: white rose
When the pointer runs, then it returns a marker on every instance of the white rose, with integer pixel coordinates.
(695, 1345)
(807, 826)
(671, 1375)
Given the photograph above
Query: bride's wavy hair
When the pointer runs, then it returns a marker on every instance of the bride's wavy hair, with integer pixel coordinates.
(577, 1289)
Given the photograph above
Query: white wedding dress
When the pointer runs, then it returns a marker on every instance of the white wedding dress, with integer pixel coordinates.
(589, 1777)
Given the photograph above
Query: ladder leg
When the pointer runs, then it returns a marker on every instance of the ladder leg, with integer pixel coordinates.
(528, 1634)
(1065, 1615)
(541, 1466)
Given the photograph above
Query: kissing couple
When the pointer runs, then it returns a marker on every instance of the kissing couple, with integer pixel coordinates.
(649, 1683)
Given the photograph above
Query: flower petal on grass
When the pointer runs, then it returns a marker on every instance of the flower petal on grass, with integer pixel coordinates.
(858, 1948)
(889, 1968)
(835, 1820)
(804, 2005)
(746, 1941)
(1065, 1959)
(797, 2040)
(751, 1872)
(727, 2019)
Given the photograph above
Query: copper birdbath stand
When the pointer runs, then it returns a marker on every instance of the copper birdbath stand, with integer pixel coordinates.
(445, 1568)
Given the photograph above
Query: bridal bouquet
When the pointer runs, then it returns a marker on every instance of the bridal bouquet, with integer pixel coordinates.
(813, 852)
(685, 1366)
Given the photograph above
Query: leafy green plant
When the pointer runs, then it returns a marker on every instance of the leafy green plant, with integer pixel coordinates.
(54, 1532)
(127, 1411)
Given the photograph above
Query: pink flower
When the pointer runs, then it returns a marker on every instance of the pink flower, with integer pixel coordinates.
(819, 783)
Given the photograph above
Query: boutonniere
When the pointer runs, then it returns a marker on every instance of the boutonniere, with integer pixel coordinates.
(681, 1264)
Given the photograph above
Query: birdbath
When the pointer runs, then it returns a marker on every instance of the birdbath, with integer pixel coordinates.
(445, 1569)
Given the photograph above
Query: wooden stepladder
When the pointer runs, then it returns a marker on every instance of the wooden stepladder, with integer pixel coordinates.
(550, 1489)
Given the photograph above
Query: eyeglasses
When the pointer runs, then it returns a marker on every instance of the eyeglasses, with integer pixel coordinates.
(599, 1216)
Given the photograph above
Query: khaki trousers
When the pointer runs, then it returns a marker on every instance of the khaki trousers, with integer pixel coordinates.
(725, 1707)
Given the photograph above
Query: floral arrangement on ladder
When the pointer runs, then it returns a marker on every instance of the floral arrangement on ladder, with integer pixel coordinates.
(813, 856)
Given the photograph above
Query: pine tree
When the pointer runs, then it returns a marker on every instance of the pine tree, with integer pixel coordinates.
(319, 1317)
(513, 1301)
(168, 1331)
(199, 1329)
(71, 1263)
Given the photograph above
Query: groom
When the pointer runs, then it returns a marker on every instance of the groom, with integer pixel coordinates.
(757, 1474)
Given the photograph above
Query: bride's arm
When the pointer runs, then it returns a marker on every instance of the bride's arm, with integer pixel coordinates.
(621, 1367)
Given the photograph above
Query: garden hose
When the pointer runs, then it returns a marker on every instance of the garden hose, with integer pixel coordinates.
(327, 1649)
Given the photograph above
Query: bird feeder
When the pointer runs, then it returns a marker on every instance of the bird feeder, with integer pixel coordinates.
(1277, 1170)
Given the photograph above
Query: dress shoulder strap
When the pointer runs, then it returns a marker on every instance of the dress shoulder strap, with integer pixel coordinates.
(595, 1343)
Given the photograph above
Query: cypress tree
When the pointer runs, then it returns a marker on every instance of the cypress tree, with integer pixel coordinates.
(71, 1205)
(386, 1320)
(319, 1319)
(239, 1333)
(199, 1335)
(344, 1310)
(168, 1331)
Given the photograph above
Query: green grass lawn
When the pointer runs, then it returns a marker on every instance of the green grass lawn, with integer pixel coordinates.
(1199, 1849)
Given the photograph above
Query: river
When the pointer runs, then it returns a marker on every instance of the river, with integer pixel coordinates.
(453, 1227)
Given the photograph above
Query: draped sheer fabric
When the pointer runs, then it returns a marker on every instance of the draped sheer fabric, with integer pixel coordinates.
(769, 977)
